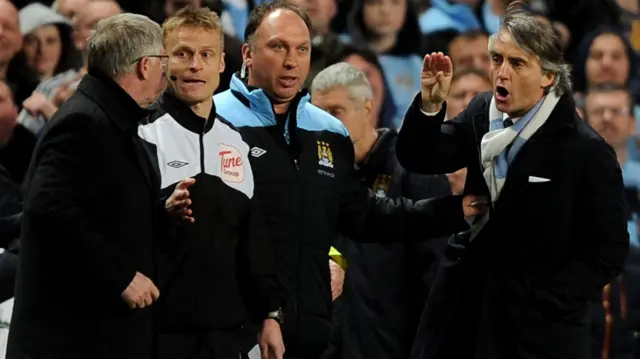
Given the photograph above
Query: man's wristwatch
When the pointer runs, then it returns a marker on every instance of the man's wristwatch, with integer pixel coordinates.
(277, 315)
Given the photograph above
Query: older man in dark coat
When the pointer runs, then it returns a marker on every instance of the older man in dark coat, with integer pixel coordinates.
(518, 284)
(86, 266)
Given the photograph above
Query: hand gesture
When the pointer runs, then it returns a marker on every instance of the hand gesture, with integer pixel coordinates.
(474, 205)
(141, 292)
(37, 104)
(437, 71)
(177, 206)
(337, 279)
(270, 340)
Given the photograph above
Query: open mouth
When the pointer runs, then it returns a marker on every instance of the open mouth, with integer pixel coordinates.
(288, 80)
(501, 93)
(193, 81)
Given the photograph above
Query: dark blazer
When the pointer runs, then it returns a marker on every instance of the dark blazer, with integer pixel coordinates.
(384, 288)
(88, 225)
(521, 289)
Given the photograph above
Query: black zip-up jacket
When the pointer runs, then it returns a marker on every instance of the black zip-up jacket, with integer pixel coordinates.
(304, 170)
(210, 271)
(386, 283)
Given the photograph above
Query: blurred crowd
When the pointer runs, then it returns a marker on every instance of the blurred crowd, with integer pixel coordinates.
(43, 57)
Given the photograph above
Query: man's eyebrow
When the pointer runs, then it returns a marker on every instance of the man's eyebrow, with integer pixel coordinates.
(283, 41)
(517, 58)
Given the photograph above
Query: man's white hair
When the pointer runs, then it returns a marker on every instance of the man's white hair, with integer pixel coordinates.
(345, 75)
(121, 40)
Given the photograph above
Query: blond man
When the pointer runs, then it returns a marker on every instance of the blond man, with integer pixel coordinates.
(217, 271)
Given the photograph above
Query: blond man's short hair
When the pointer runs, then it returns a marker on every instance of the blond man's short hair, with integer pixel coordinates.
(194, 17)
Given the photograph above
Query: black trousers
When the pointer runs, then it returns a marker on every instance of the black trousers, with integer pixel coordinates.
(215, 344)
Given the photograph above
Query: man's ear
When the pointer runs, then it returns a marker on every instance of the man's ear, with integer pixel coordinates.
(142, 68)
(246, 54)
(547, 80)
(222, 63)
(368, 110)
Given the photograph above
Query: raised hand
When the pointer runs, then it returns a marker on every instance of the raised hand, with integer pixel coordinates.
(437, 72)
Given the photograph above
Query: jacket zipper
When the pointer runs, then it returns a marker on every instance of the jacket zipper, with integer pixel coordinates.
(204, 129)
(286, 133)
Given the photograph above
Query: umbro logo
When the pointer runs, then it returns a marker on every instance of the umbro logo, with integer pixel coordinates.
(177, 164)
(257, 152)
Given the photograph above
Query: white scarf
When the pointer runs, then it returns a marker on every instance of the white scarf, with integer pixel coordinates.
(495, 159)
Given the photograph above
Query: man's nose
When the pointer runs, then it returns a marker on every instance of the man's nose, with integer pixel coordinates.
(607, 61)
(502, 71)
(196, 63)
(291, 61)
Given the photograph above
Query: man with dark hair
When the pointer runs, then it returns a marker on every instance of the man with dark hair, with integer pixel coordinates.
(518, 284)
(304, 174)
(469, 49)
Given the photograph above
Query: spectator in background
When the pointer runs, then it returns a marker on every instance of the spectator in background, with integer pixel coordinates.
(605, 56)
(384, 290)
(10, 36)
(390, 29)
(52, 92)
(384, 109)
(328, 48)
(47, 51)
(91, 210)
(14, 155)
(466, 84)
(608, 109)
(460, 15)
(326, 45)
(10, 200)
(469, 49)
(69, 8)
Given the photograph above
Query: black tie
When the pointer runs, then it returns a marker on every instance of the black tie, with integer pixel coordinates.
(507, 123)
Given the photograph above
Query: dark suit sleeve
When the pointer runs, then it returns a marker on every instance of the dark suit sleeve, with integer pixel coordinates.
(365, 217)
(264, 293)
(426, 145)
(62, 179)
(602, 227)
